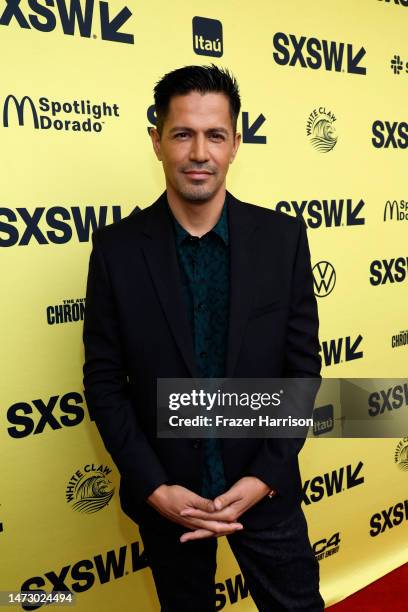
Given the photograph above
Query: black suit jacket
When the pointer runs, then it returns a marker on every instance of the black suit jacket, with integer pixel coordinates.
(136, 330)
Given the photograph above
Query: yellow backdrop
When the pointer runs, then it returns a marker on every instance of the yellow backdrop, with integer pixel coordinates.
(324, 131)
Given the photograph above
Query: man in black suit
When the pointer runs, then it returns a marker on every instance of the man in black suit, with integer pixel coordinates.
(200, 284)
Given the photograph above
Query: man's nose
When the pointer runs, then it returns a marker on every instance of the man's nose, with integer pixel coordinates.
(198, 151)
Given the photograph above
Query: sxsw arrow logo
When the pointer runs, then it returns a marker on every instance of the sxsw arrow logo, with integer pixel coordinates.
(332, 483)
(341, 349)
(311, 52)
(353, 61)
(109, 28)
(74, 18)
(249, 132)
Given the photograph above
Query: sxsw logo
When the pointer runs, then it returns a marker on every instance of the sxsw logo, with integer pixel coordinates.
(315, 53)
(400, 2)
(331, 483)
(389, 518)
(207, 37)
(82, 575)
(326, 213)
(388, 270)
(323, 419)
(387, 134)
(70, 16)
(388, 399)
(55, 225)
(26, 418)
(338, 350)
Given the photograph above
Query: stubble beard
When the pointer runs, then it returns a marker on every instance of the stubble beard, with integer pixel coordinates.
(197, 193)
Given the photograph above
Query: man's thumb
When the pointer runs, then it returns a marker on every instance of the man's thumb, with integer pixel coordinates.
(220, 502)
(204, 504)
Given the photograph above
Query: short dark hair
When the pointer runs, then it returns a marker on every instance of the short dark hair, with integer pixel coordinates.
(204, 79)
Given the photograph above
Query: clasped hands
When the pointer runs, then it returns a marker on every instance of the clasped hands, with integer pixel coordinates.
(205, 517)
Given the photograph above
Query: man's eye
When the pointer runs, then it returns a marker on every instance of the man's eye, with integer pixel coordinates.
(181, 135)
(217, 136)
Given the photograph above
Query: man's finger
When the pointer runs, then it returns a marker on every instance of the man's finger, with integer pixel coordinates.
(207, 533)
(217, 526)
(227, 514)
(202, 503)
(227, 498)
(196, 535)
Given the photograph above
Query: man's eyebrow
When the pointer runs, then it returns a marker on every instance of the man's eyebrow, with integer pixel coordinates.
(187, 129)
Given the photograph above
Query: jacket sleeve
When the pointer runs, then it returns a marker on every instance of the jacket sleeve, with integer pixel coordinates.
(302, 360)
(105, 384)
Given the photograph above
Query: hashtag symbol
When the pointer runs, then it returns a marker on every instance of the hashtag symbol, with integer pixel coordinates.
(396, 64)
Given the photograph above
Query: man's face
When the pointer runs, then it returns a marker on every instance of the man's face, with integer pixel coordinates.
(197, 145)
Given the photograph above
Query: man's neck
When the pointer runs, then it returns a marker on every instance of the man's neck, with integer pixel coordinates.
(197, 218)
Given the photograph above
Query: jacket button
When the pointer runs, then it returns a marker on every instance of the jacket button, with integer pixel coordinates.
(196, 444)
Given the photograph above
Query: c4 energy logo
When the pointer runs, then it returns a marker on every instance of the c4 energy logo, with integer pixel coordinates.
(59, 115)
(331, 483)
(88, 490)
(207, 37)
(291, 50)
(326, 213)
(324, 278)
(388, 271)
(397, 211)
(321, 131)
(72, 16)
(327, 547)
(401, 455)
(338, 350)
(387, 134)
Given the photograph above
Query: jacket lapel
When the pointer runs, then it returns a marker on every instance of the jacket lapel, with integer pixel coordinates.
(161, 257)
(243, 251)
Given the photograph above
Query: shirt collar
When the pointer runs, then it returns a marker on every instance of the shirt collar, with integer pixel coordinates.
(220, 228)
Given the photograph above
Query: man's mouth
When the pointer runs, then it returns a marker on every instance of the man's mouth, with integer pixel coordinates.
(198, 174)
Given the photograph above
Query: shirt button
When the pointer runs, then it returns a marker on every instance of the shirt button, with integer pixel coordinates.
(203, 355)
(201, 306)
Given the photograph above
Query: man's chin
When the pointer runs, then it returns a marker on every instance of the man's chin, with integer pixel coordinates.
(197, 194)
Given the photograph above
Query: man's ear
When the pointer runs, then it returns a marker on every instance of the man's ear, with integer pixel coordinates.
(237, 142)
(155, 136)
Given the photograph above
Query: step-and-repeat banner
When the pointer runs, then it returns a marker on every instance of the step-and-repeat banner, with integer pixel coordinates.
(324, 135)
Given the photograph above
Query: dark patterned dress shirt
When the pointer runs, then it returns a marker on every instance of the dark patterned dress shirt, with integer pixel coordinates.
(204, 267)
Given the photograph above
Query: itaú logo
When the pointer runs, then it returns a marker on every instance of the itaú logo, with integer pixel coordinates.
(68, 115)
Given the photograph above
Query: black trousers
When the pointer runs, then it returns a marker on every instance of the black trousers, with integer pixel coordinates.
(278, 565)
